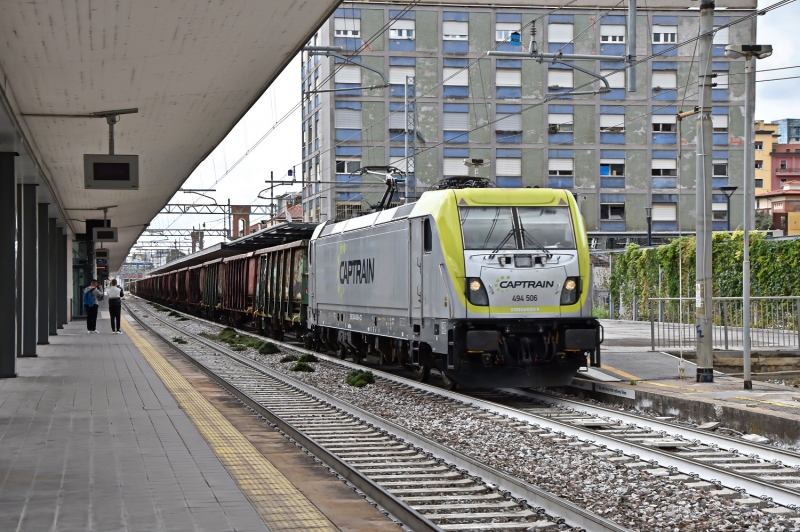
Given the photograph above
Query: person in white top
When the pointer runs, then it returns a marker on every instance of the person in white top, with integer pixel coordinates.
(115, 295)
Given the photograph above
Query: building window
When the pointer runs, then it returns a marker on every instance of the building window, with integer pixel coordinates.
(612, 167)
(783, 165)
(664, 212)
(455, 121)
(560, 167)
(347, 119)
(560, 123)
(402, 29)
(612, 123)
(664, 124)
(721, 79)
(347, 27)
(759, 183)
(720, 123)
(508, 172)
(345, 211)
(398, 74)
(720, 168)
(347, 166)
(665, 79)
(612, 211)
(759, 145)
(759, 165)
(560, 79)
(616, 80)
(665, 34)
(721, 35)
(560, 33)
(348, 74)
(455, 31)
(612, 33)
(508, 82)
(454, 167)
(503, 30)
(664, 168)
(455, 81)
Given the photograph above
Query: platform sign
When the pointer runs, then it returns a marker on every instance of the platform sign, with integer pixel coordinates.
(102, 262)
(101, 254)
(104, 234)
(111, 172)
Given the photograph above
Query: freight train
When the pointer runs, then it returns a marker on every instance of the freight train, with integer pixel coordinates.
(489, 286)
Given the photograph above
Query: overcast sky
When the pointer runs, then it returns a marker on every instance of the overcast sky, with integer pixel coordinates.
(280, 149)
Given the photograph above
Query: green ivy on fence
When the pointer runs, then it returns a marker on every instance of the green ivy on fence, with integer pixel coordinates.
(774, 269)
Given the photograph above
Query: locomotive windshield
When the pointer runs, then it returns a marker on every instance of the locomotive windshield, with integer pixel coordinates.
(496, 228)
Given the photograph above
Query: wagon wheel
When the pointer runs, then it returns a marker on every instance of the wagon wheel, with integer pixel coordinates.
(448, 383)
(341, 352)
(421, 372)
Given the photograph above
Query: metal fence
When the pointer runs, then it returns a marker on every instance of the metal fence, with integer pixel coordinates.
(773, 322)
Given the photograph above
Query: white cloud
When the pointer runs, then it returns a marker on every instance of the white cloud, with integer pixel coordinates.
(778, 99)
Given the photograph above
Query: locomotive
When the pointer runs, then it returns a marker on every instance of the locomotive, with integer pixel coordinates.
(489, 286)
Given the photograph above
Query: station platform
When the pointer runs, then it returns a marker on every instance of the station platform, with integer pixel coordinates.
(633, 375)
(116, 432)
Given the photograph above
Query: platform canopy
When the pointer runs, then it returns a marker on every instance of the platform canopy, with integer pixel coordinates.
(191, 67)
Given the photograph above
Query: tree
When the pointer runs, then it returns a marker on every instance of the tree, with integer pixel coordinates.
(763, 221)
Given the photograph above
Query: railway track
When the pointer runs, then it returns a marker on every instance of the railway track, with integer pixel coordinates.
(421, 483)
(694, 458)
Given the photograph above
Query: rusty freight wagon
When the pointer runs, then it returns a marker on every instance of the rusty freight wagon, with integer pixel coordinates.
(281, 291)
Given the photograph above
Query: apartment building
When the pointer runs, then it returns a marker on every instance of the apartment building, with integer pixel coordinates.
(619, 152)
(766, 136)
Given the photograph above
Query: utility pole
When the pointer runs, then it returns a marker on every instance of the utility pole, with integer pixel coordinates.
(411, 129)
(704, 279)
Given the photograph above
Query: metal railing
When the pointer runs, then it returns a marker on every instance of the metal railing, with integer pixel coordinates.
(773, 322)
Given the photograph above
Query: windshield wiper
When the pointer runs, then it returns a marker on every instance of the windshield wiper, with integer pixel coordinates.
(502, 243)
(537, 245)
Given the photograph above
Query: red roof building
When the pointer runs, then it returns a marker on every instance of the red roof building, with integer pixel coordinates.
(785, 165)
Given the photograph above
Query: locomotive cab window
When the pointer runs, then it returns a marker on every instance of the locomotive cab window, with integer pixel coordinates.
(427, 237)
(498, 228)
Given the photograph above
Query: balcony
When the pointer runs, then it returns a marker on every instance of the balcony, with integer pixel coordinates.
(787, 171)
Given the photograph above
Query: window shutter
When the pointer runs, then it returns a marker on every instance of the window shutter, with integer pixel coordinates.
(559, 119)
(507, 26)
(403, 24)
(506, 77)
(559, 32)
(612, 120)
(561, 78)
(665, 119)
(348, 24)
(398, 120)
(455, 28)
(398, 74)
(665, 164)
(612, 161)
(666, 79)
(615, 30)
(460, 77)
(512, 122)
(349, 74)
(721, 37)
(456, 121)
(721, 80)
(719, 206)
(664, 212)
(454, 167)
(508, 167)
(560, 164)
(719, 121)
(347, 119)
(615, 81)
(664, 29)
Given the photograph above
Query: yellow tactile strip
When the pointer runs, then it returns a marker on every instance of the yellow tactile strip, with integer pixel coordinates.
(276, 499)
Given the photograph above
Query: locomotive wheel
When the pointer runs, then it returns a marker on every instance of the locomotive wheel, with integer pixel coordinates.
(421, 372)
(449, 385)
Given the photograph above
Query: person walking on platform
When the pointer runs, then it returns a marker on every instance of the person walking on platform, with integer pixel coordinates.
(91, 295)
(115, 295)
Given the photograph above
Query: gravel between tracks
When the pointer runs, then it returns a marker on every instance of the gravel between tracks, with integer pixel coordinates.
(630, 497)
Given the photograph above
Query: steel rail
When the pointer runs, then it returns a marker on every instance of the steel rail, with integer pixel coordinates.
(779, 494)
(573, 515)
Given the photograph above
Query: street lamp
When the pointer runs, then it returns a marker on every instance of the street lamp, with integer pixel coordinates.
(750, 52)
(649, 215)
(728, 190)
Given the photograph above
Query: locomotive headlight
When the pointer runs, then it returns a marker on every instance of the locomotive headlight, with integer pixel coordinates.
(476, 292)
(571, 291)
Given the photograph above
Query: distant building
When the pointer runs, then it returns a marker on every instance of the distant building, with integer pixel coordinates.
(618, 152)
(784, 207)
(788, 130)
(766, 135)
(785, 165)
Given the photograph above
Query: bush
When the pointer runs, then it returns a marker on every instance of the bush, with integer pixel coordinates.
(600, 312)
(308, 358)
(182, 318)
(178, 340)
(174, 314)
(237, 347)
(360, 378)
(289, 358)
(302, 366)
(268, 348)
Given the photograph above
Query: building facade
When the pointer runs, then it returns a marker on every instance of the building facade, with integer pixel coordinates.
(785, 166)
(788, 130)
(619, 152)
(766, 136)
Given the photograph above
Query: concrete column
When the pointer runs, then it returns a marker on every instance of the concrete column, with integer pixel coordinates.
(52, 284)
(29, 270)
(19, 267)
(64, 262)
(43, 279)
(8, 313)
